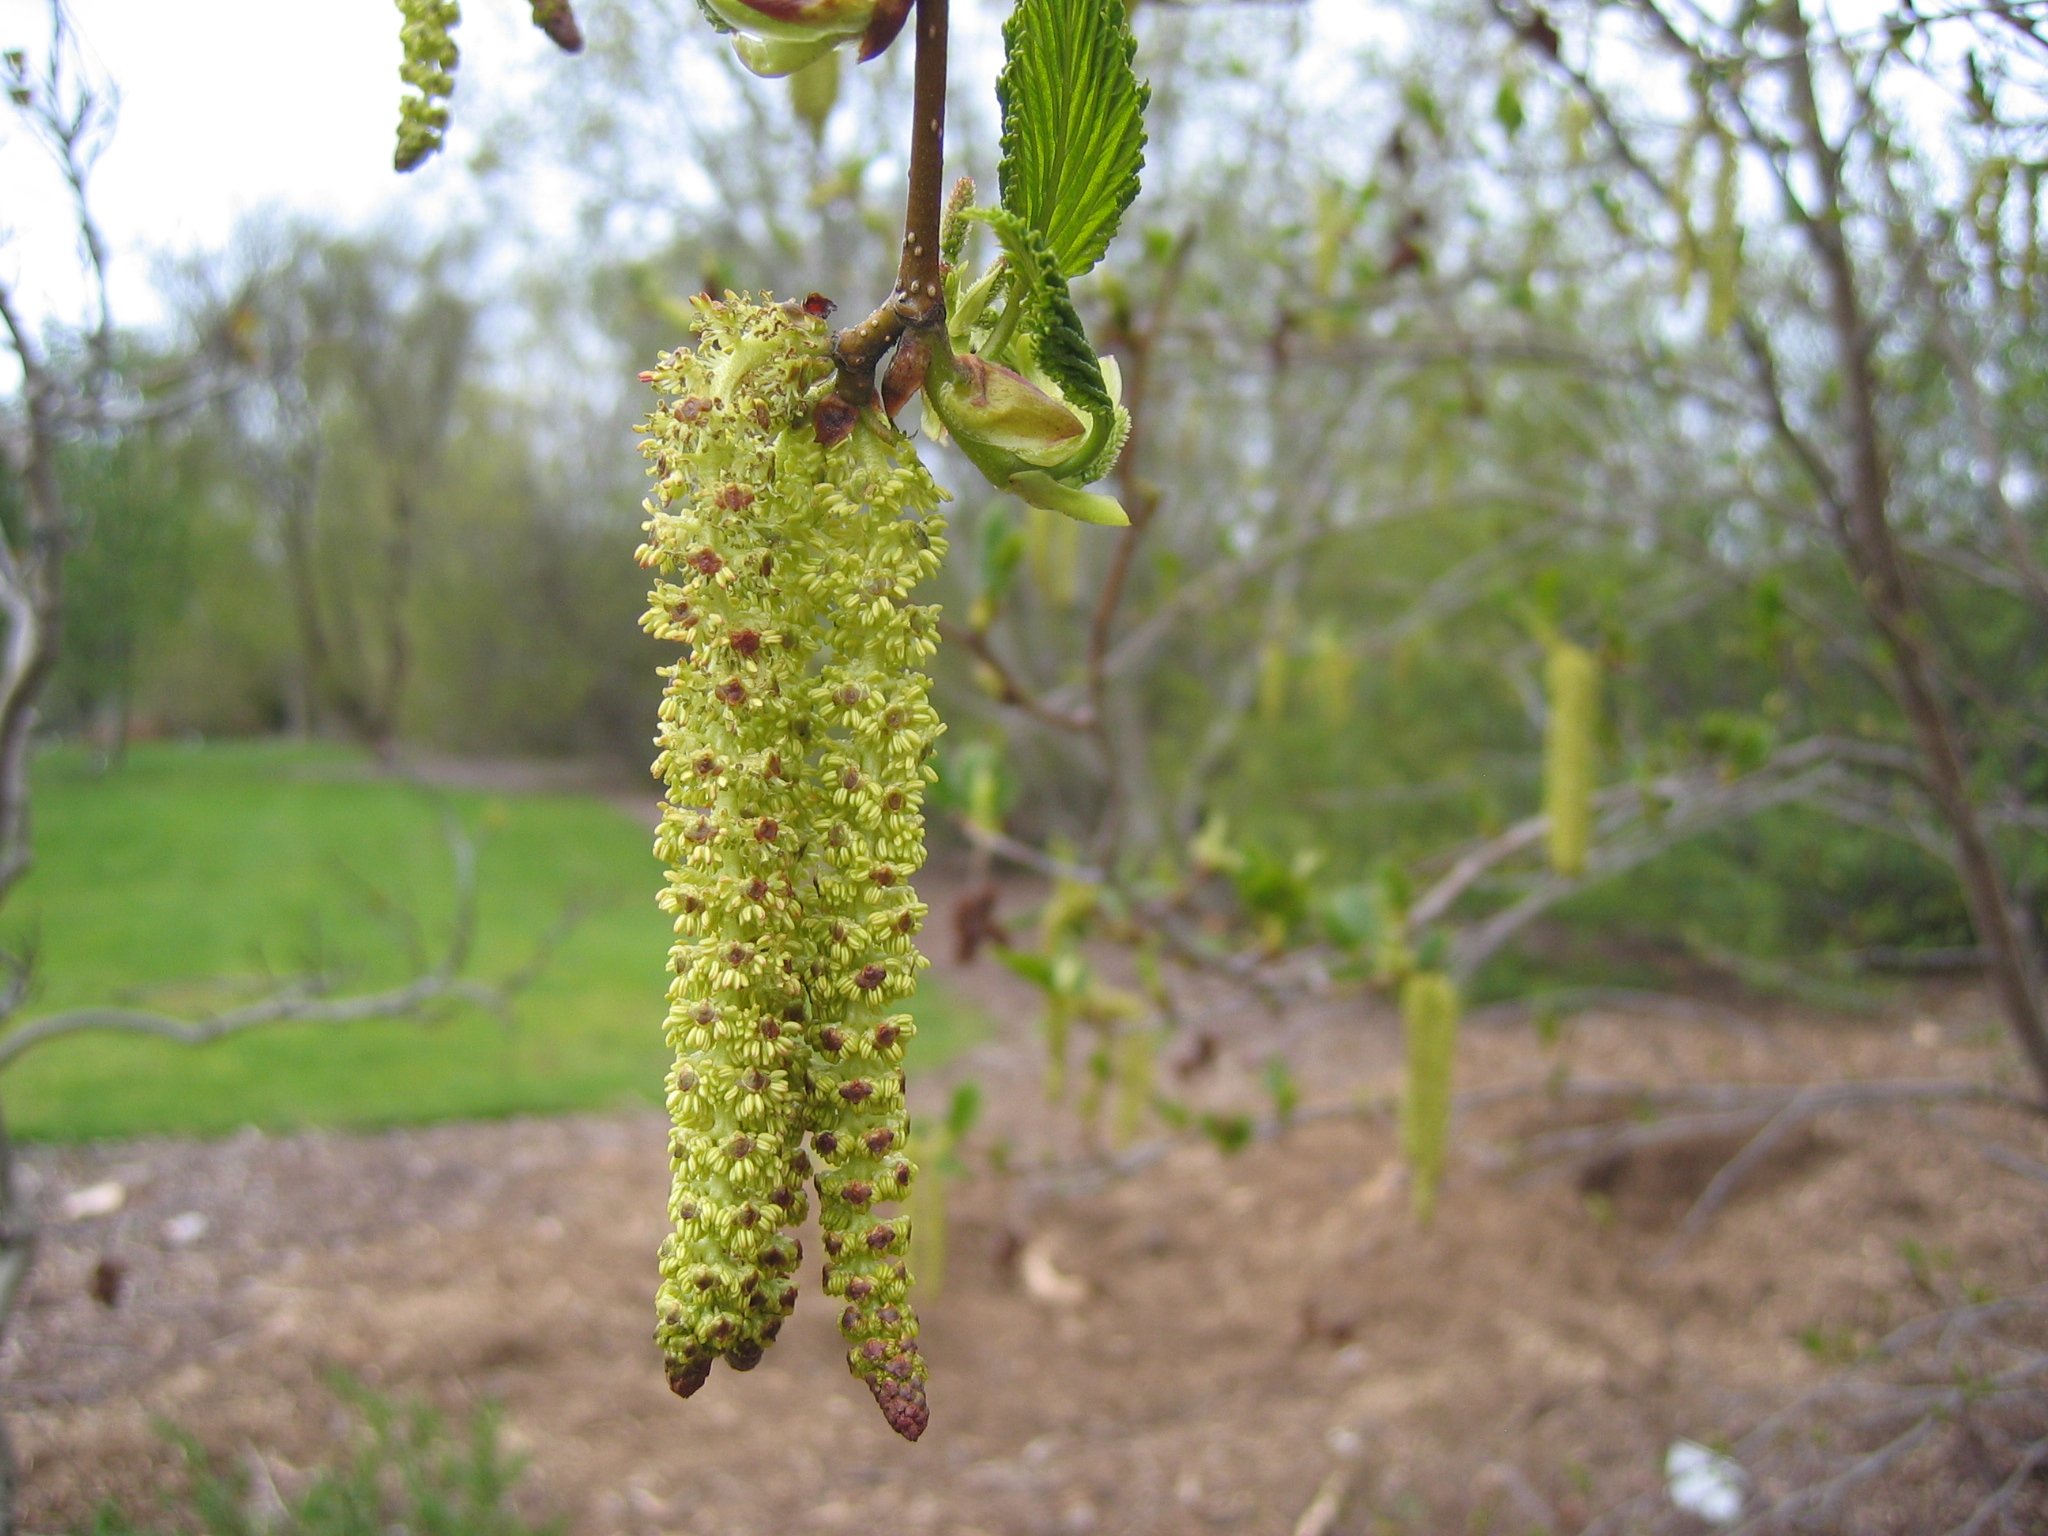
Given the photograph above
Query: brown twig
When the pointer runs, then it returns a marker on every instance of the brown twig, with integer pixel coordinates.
(1015, 691)
(919, 299)
(1734, 1109)
(1141, 501)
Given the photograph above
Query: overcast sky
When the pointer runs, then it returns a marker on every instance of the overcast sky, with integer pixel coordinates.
(233, 105)
(275, 102)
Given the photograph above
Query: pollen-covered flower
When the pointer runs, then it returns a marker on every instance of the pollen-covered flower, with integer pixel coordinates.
(795, 742)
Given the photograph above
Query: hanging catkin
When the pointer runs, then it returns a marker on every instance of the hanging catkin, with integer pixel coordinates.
(1429, 1017)
(794, 746)
(426, 34)
(875, 731)
(1572, 686)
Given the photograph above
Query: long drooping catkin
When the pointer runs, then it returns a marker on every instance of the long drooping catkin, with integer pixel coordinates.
(1429, 1015)
(732, 746)
(1572, 683)
(880, 536)
(796, 734)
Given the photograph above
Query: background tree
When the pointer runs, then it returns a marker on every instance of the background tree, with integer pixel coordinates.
(1866, 342)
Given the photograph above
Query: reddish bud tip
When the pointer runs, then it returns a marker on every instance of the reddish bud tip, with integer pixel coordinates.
(888, 21)
(686, 1376)
(906, 374)
(834, 421)
(903, 1405)
(559, 23)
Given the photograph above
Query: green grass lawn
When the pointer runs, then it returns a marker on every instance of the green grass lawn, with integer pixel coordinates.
(195, 876)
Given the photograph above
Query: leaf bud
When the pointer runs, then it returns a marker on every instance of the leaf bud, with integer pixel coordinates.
(780, 37)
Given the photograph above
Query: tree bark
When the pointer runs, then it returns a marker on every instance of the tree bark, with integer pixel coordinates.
(1861, 520)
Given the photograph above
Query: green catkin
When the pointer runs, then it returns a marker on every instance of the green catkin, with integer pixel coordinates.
(1333, 671)
(1572, 686)
(1274, 682)
(794, 744)
(877, 734)
(1137, 1072)
(1052, 544)
(1058, 1028)
(1723, 253)
(429, 70)
(813, 92)
(726, 455)
(1429, 1016)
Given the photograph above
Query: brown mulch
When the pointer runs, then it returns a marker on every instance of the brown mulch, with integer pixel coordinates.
(1212, 1343)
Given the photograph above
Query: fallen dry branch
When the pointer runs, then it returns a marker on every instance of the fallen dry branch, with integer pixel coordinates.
(1964, 1374)
(1658, 1117)
(1729, 1109)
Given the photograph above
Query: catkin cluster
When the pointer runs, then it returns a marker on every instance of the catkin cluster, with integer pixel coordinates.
(795, 740)
(1572, 682)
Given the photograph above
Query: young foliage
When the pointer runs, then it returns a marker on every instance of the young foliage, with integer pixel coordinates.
(1073, 124)
(1028, 401)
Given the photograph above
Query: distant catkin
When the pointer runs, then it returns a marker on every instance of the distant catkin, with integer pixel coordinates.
(794, 746)
(1333, 673)
(1572, 682)
(1429, 1016)
(1053, 545)
(428, 68)
(1275, 683)
(1137, 1072)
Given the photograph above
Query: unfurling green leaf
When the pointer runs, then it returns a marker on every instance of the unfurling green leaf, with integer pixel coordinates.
(1073, 124)
(1028, 376)
(1047, 317)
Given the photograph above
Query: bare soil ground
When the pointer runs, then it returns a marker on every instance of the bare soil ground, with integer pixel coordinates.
(1258, 1343)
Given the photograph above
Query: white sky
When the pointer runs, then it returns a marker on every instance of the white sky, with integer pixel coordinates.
(228, 106)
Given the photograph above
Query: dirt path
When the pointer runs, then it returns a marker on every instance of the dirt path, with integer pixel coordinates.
(1203, 1346)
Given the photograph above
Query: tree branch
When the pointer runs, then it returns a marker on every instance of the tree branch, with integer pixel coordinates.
(919, 299)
